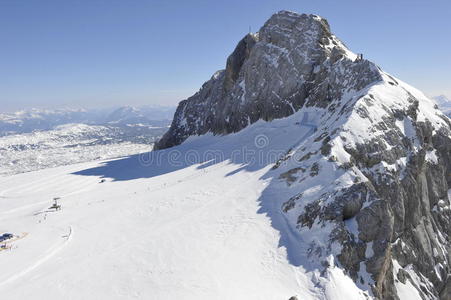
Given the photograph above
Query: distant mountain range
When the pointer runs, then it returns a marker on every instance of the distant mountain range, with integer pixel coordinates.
(38, 139)
(73, 143)
(444, 104)
(43, 119)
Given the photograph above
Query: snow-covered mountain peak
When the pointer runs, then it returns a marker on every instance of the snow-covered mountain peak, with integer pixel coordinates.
(442, 99)
(293, 60)
(290, 30)
(289, 20)
(369, 146)
(126, 114)
(444, 104)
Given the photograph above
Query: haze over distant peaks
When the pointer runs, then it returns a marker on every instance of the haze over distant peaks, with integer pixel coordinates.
(444, 104)
(46, 119)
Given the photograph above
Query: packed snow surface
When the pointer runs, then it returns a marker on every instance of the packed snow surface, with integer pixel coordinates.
(172, 224)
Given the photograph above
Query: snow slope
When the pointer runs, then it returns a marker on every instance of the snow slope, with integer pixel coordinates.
(173, 224)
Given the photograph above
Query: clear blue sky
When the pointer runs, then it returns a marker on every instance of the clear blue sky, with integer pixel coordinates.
(88, 53)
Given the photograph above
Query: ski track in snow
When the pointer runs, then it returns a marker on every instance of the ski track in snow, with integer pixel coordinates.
(50, 253)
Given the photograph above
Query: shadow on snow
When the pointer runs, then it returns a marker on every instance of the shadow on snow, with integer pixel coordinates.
(257, 148)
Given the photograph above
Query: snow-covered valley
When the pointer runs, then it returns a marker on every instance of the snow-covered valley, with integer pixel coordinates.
(73, 143)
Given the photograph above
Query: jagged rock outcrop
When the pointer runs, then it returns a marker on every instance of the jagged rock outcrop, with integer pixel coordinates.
(294, 60)
(371, 185)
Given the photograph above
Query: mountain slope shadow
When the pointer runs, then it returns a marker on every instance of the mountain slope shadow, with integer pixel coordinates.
(130, 168)
(250, 150)
(290, 239)
(257, 147)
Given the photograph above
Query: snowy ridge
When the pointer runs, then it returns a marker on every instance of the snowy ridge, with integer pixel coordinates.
(294, 60)
(328, 168)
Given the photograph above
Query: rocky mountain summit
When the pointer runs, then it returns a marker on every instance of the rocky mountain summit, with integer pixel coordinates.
(370, 186)
(294, 60)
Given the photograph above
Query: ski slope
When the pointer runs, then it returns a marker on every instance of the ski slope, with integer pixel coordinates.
(183, 229)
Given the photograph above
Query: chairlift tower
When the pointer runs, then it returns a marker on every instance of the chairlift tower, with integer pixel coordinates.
(55, 205)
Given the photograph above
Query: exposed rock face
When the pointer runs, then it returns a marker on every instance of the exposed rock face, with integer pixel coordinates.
(293, 60)
(371, 185)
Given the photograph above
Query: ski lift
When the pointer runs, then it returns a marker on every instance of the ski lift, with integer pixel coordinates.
(55, 205)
